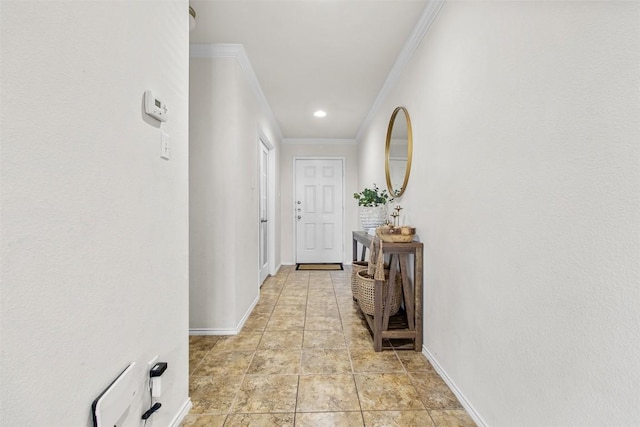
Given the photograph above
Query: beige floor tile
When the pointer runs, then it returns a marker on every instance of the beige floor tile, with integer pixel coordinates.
(256, 323)
(245, 340)
(291, 340)
(202, 342)
(350, 308)
(325, 361)
(323, 296)
(214, 394)
(295, 292)
(285, 323)
(265, 308)
(266, 393)
(323, 323)
(324, 339)
(195, 358)
(358, 338)
(397, 418)
(336, 340)
(330, 311)
(260, 420)
(295, 284)
(269, 362)
(292, 300)
(323, 393)
(290, 310)
(193, 420)
(366, 360)
(433, 391)
(382, 392)
(296, 280)
(353, 319)
(329, 419)
(452, 418)
(414, 361)
(269, 294)
(227, 362)
(319, 279)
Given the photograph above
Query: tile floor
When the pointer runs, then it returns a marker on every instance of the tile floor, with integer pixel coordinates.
(305, 358)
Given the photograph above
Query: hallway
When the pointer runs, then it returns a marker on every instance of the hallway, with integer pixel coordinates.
(305, 358)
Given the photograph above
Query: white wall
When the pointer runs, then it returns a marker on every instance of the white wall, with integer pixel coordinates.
(94, 232)
(224, 128)
(525, 190)
(321, 149)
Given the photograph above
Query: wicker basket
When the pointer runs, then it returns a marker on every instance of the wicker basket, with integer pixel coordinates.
(366, 293)
(357, 266)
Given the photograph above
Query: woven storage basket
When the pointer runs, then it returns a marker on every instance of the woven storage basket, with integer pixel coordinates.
(357, 266)
(366, 293)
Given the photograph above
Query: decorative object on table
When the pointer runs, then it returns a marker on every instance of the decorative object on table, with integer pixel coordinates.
(373, 206)
(396, 215)
(392, 234)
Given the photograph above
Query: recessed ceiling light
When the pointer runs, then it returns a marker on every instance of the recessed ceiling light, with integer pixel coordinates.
(320, 113)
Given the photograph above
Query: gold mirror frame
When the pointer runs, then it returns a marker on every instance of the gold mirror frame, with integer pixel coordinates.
(387, 151)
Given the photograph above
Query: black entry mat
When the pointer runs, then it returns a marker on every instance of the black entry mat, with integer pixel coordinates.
(320, 266)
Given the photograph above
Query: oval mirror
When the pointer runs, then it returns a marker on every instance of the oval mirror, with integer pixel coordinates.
(398, 151)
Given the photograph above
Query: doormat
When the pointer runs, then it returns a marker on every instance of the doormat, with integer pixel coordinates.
(330, 266)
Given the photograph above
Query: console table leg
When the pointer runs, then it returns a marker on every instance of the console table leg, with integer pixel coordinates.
(409, 301)
(377, 316)
(417, 280)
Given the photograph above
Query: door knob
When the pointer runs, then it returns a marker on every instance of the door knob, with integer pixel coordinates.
(299, 202)
(299, 217)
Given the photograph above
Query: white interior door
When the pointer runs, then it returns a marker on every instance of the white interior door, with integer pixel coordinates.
(319, 210)
(264, 212)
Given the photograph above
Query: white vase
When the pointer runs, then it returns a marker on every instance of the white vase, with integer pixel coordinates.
(372, 217)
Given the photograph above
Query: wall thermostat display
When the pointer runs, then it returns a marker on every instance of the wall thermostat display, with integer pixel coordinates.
(155, 107)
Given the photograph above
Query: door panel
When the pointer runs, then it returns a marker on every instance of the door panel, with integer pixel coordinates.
(264, 211)
(319, 210)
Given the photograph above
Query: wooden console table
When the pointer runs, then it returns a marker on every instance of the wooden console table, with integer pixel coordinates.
(407, 324)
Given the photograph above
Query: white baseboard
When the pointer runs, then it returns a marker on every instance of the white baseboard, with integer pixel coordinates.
(274, 272)
(234, 331)
(454, 388)
(211, 331)
(180, 416)
(248, 313)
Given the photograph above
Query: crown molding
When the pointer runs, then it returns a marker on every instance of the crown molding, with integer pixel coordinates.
(413, 41)
(318, 141)
(237, 51)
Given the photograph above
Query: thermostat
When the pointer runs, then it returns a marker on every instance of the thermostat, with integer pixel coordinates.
(154, 107)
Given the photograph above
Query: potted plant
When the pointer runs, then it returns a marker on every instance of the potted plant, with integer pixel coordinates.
(373, 207)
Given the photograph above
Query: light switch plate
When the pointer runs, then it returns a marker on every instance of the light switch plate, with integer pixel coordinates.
(166, 150)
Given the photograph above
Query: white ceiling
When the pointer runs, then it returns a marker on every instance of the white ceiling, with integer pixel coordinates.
(307, 55)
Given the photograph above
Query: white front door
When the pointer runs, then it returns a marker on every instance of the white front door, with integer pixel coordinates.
(264, 212)
(319, 210)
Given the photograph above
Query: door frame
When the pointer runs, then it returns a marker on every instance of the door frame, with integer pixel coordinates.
(271, 204)
(343, 160)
